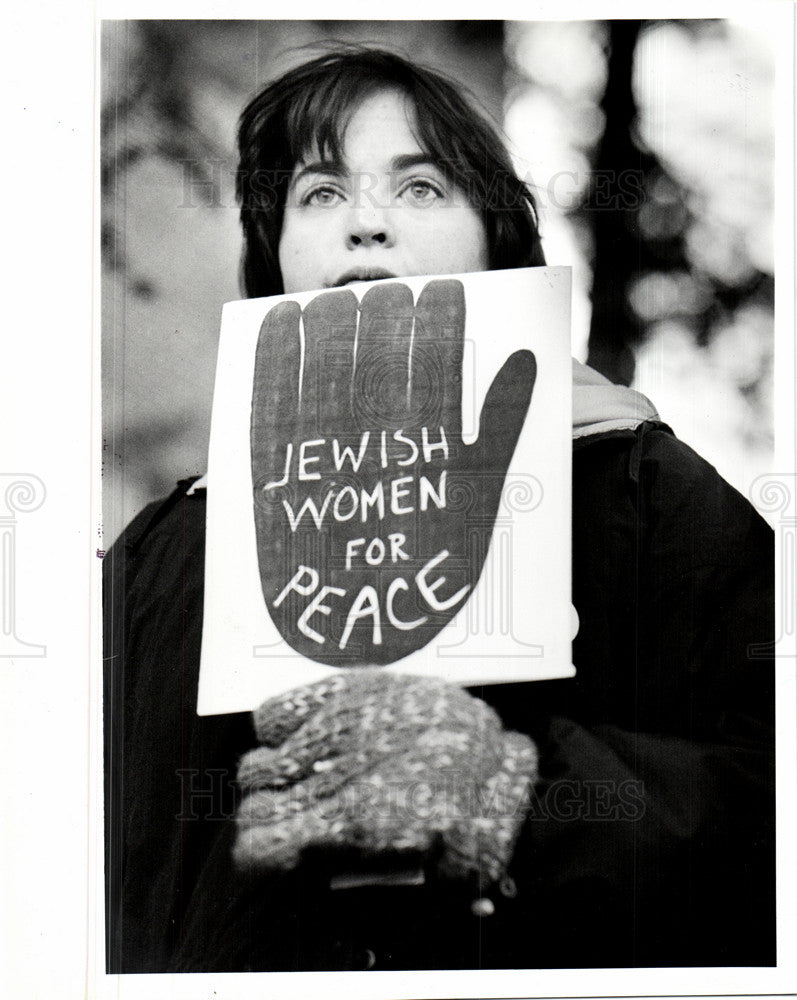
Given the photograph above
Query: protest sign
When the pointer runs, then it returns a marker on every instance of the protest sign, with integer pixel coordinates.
(389, 485)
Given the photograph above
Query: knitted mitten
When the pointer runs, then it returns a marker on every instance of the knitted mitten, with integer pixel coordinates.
(384, 763)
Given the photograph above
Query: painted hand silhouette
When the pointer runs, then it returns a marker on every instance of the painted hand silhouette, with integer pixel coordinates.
(357, 459)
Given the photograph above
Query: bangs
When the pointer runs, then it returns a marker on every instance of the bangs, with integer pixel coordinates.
(317, 121)
(316, 118)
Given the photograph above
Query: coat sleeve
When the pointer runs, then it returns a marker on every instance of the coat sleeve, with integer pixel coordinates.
(169, 775)
(651, 838)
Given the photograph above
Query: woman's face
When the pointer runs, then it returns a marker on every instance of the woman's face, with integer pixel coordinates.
(384, 211)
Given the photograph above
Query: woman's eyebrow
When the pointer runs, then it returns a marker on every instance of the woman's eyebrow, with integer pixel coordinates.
(333, 167)
(408, 160)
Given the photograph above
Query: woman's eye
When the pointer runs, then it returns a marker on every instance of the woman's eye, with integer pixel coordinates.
(322, 197)
(422, 192)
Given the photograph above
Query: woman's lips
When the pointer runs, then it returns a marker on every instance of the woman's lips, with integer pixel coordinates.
(362, 274)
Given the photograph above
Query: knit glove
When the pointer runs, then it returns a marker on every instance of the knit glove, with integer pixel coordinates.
(383, 763)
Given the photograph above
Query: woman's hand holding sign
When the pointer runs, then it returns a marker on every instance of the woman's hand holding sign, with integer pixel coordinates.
(357, 457)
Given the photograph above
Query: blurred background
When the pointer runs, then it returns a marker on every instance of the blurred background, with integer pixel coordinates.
(649, 146)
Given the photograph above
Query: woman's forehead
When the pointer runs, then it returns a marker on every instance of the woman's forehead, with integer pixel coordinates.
(325, 138)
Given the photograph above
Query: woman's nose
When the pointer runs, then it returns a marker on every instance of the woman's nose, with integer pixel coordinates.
(370, 225)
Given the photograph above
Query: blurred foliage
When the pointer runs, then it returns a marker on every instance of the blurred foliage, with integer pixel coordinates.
(663, 132)
(665, 212)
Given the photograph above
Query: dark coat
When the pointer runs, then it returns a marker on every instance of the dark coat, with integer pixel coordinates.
(651, 835)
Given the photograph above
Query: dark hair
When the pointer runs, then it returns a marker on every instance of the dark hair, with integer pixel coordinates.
(311, 105)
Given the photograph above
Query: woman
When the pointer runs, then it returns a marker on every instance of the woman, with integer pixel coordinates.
(642, 824)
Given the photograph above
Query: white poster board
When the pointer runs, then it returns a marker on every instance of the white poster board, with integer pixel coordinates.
(309, 526)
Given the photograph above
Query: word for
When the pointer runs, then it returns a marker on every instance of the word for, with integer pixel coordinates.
(376, 551)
